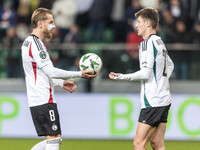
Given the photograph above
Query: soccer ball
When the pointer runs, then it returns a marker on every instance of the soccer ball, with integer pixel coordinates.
(90, 61)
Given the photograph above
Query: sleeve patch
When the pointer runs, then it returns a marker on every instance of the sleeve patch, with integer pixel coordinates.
(43, 54)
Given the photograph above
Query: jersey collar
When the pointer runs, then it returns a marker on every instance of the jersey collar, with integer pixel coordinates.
(34, 35)
(150, 35)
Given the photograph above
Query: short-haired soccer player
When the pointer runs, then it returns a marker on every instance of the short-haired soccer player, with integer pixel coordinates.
(155, 70)
(41, 77)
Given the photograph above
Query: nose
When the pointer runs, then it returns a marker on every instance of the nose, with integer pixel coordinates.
(51, 26)
(136, 25)
(54, 26)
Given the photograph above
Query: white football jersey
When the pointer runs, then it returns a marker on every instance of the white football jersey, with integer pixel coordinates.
(40, 88)
(153, 54)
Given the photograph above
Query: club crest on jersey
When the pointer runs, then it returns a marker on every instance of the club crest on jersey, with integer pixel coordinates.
(43, 55)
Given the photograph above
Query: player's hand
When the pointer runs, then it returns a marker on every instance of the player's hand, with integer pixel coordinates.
(113, 75)
(88, 75)
(69, 86)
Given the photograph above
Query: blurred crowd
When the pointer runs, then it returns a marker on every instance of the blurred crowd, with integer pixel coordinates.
(100, 21)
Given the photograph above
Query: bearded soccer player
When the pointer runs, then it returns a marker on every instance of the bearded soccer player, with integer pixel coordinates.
(155, 70)
(41, 77)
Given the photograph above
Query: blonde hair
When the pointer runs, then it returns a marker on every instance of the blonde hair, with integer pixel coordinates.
(39, 15)
(149, 14)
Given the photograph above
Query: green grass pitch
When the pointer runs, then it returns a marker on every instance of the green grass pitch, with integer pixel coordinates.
(68, 144)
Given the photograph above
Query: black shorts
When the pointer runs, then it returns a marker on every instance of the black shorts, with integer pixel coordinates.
(153, 116)
(46, 119)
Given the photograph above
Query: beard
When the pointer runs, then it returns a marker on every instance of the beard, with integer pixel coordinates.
(47, 34)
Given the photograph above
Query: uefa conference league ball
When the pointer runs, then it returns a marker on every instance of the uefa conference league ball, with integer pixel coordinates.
(90, 61)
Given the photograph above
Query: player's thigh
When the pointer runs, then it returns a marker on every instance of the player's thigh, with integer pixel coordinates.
(158, 135)
(46, 119)
(144, 132)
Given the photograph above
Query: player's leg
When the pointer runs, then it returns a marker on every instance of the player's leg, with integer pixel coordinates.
(39, 146)
(157, 139)
(143, 135)
(53, 131)
(46, 121)
(35, 115)
(53, 142)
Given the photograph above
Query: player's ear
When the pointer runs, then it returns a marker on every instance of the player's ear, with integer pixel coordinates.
(148, 23)
(39, 24)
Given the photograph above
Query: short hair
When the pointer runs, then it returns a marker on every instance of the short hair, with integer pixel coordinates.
(39, 15)
(149, 14)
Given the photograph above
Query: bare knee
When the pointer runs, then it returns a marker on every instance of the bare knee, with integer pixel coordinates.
(53, 136)
(153, 144)
(58, 137)
(138, 144)
(135, 143)
(157, 144)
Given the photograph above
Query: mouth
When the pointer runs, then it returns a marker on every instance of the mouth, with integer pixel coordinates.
(51, 31)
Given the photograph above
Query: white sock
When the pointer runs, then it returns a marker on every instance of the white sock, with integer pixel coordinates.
(53, 144)
(39, 146)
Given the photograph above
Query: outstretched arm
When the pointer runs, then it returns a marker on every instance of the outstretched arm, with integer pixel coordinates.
(56, 73)
(142, 74)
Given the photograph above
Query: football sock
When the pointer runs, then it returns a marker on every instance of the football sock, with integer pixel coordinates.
(39, 146)
(53, 144)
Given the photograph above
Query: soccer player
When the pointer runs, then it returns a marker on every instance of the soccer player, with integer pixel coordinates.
(155, 70)
(41, 77)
